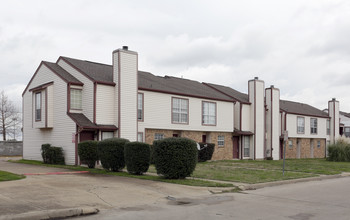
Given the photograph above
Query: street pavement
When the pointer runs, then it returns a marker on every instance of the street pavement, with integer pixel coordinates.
(325, 199)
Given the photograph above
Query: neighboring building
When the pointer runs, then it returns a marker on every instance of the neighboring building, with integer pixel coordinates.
(344, 129)
(72, 100)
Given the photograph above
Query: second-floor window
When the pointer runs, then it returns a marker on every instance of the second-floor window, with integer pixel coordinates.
(38, 106)
(313, 125)
(328, 127)
(76, 99)
(300, 125)
(180, 111)
(209, 113)
(140, 106)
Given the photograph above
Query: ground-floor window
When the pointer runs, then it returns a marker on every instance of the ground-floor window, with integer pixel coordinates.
(158, 136)
(221, 140)
(290, 143)
(246, 145)
(318, 144)
(107, 134)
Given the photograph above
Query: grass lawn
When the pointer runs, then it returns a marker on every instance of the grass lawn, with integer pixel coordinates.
(189, 181)
(6, 176)
(259, 171)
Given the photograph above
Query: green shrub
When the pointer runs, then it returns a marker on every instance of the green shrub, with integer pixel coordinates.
(51, 154)
(137, 157)
(206, 151)
(175, 158)
(87, 151)
(340, 151)
(111, 153)
(45, 152)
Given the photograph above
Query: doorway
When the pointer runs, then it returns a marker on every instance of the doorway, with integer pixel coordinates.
(235, 147)
(87, 136)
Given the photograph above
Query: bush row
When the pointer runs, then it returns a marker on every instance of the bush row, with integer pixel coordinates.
(51, 154)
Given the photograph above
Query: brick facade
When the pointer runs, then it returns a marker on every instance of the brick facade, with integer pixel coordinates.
(220, 153)
(308, 148)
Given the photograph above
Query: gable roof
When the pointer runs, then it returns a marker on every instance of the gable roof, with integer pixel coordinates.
(301, 109)
(241, 97)
(345, 114)
(98, 72)
(59, 71)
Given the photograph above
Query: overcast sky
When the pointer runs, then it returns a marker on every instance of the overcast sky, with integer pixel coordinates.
(301, 47)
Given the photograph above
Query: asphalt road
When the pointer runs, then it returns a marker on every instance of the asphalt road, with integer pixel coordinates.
(326, 199)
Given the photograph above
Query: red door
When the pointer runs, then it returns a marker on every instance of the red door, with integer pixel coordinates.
(235, 148)
(87, 136)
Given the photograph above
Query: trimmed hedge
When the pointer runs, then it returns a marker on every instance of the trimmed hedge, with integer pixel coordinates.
(175, 158)
(111, 153)
(206, 151)
(87, 151)
(51, 154)
(340, 151)
(137, 157)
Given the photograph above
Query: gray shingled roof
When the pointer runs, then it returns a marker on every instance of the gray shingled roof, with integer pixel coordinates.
(96, 71)
(345, 114)
(180, 86)
(241, 97)
(82, 121)
(62, 73)
(301, 108)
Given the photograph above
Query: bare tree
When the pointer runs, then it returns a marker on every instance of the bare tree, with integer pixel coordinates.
(7, 114)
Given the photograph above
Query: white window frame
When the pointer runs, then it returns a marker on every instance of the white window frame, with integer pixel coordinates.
(208, 113)
(107, 135)
(158, 136)
(246, 146)
(300, 125)
(347, 133)
(38, 106)
(76, 99)
(290, 144)
(140, 106)
(180, 109)
(313, 125)
(318, 144)
(221, 140)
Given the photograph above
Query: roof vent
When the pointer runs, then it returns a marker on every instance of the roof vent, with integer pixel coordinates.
(333, 99)
(125, 48)
(272, 86)
(256, 78)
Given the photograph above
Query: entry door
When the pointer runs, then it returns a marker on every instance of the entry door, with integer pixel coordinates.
(235, 148)
(87, 136)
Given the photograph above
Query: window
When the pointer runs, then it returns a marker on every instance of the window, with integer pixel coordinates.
(328, 127)
(313, 125)
(221, 141)
(246, 146)
(140, 106)
(290, 143)
(318, 144)
(347, 131)
(158, 136)
(140, 137)
(209, 113)
(75, 99)
(38, 106)
(301, 125)
(180, 111)
(107, 134)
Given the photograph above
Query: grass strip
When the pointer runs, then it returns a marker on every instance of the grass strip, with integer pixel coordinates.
(6, 176)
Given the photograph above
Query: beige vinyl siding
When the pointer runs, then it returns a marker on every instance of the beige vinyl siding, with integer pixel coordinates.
(157, 114)
(292, 127)
(128, 96)
(105, 104)
(260, 121)
(237, 112)
(115, 80)
(87, 92)
(50, 105)
(63, 127)
(246, 118)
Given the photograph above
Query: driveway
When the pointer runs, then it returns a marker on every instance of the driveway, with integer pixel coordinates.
(51, 190)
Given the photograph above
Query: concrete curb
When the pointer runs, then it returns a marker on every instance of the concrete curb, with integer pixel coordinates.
(283, 182)
(52, 214)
